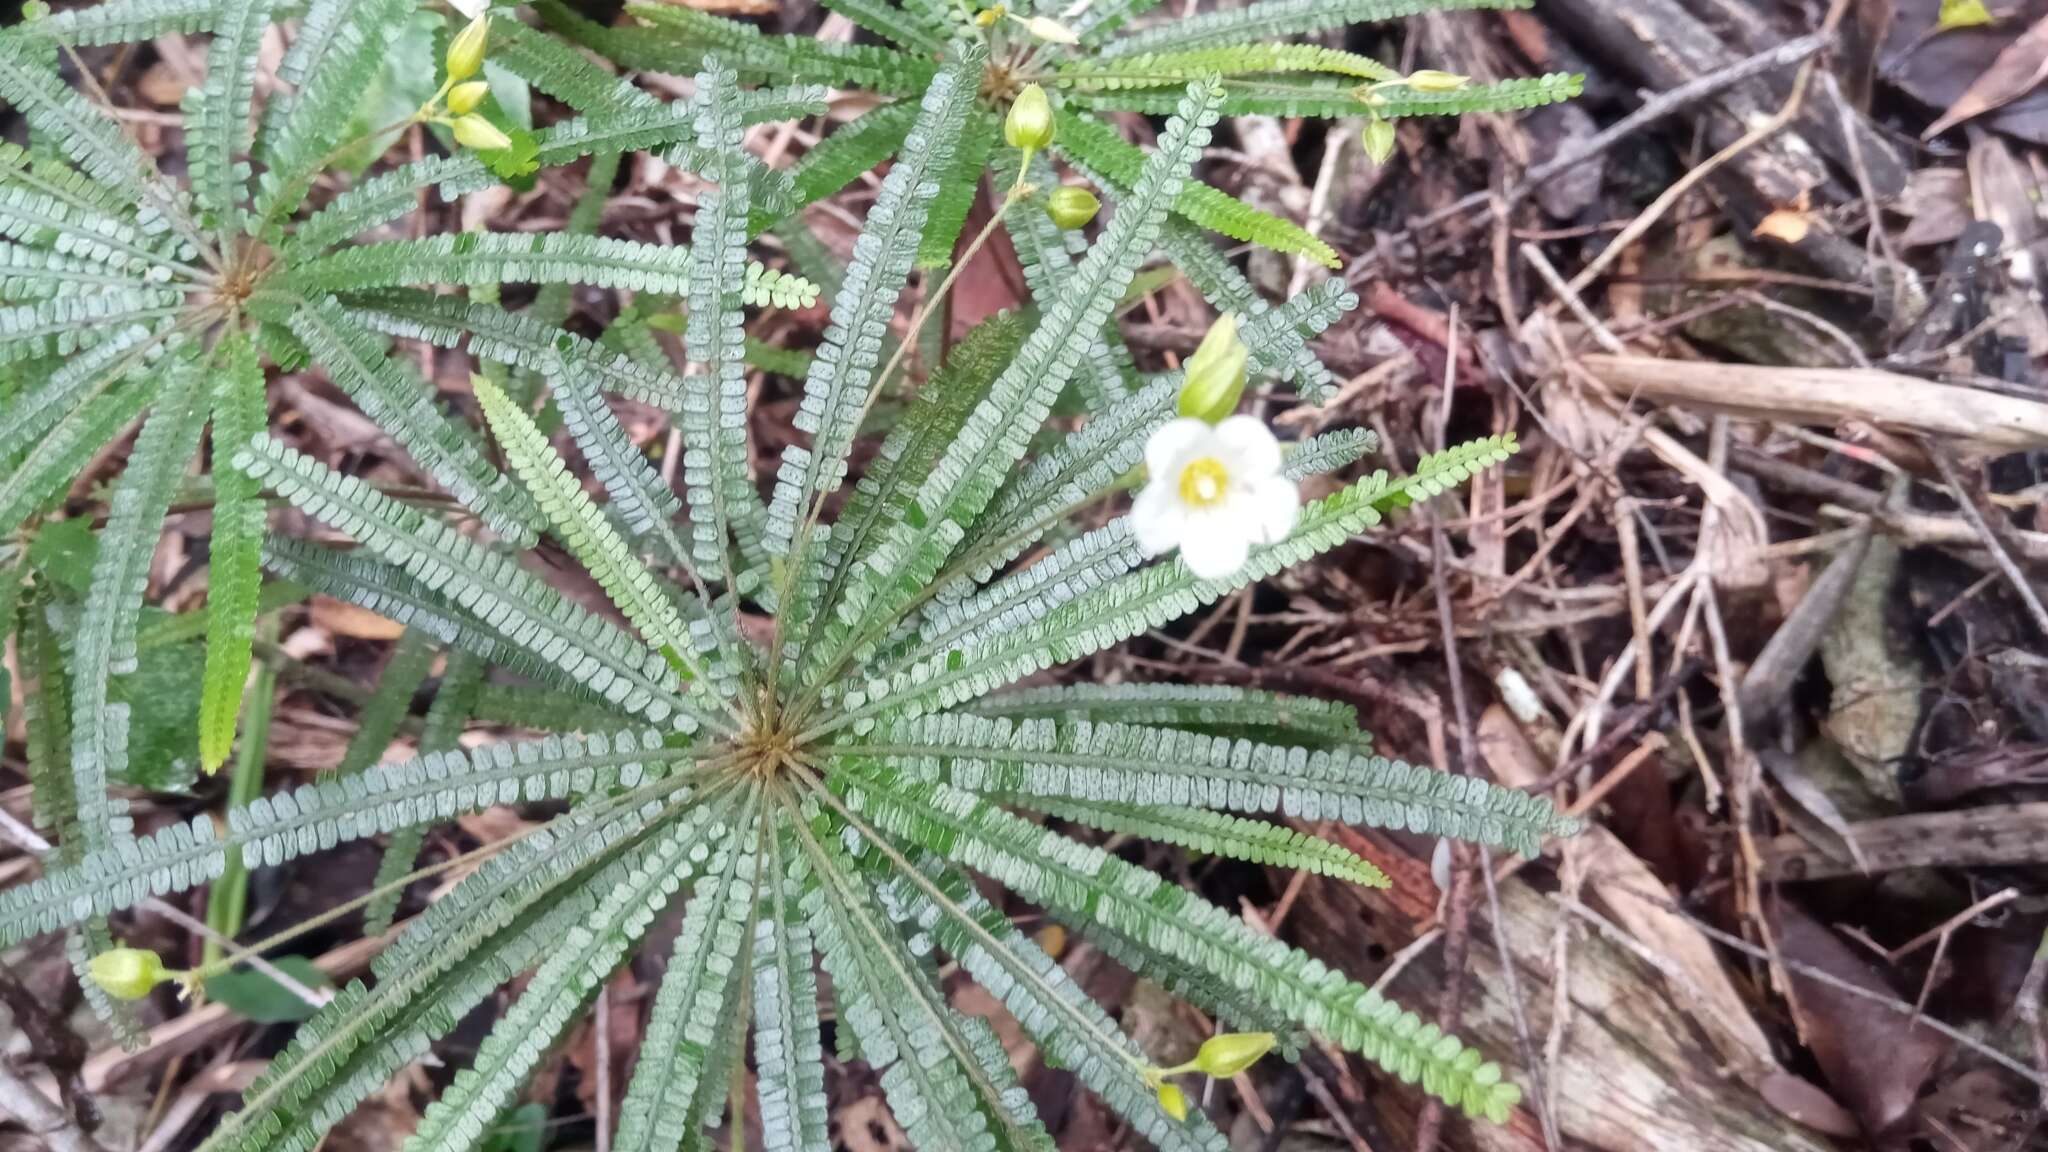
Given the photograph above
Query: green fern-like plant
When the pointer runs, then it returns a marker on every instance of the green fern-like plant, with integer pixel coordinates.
(822, 796)
(1095, 60)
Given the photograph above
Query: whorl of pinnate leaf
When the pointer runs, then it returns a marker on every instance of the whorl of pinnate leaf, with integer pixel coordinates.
(1150, 767)
(490, 584)
(1227, 289)
(402, 404)
(661, 1108)
(45, 218)
(56, 458)
(575, 520)
(1103, 152)
(360, 578)
(842, 157)
(83, 131)
(788, 1053)
(999, 430)
(717, 465)
(959, 184)
(494, 334)
(72, 323)
(220, 131)
(1074, 879)
(234, 558)
(1289, 719)
(36, 411)
(1505, 96)
(1323, 97)
(570, 973)
(1048, 255)
(487, 258)
(492, 927)
(37, 274)
(899, 25)
(1219, 834)
(1152, 596)
(316, 817)
(1045, 1001)
(641, 498)
(683, 40)
(119, 22)
(942, 1085)
(1162, 69)
(1279, 19)
(103, 645)
(336, 57)
(835, 392)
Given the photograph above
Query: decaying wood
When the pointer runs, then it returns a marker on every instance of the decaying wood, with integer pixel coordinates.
(1630, 1074)
(1971, 837)
(1969, 417)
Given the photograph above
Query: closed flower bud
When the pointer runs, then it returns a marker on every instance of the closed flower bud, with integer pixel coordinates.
(127, 973)
(474, 131)
(466, 51)
(1029, 125)
(1215, 374)
(464, 97)
(987, 17)
(1431, 80)
(1072, 208)
(1173, 1100)
(1051, 31)
(1226, 1055)
(1378, 139)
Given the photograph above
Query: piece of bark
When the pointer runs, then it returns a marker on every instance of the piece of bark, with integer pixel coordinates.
(2000, 835)
(1630, 1075)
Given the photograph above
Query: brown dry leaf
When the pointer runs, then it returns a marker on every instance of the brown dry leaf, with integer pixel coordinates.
(1937, 206)
(345, 619)
(2016, 72)
(1844, 1030)
(1786, 225)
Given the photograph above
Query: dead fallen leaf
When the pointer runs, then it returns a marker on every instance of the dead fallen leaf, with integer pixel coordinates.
(2016, 72)
(1936, 204)
(345, 619)
(1786, 225)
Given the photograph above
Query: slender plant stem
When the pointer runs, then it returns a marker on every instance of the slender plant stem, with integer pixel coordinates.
(227, 901)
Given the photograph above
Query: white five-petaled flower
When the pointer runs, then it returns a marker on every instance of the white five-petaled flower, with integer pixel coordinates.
(1213, 492)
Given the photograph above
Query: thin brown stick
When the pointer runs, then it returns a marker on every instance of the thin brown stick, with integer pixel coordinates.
(1966, 501)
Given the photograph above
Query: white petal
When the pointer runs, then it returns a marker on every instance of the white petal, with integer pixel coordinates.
(1175, 441)
(1214, 546)
(1253, 450)
(1158, 518)
(1272, 508)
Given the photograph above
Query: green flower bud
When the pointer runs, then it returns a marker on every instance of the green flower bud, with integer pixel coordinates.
(466, 51)
(473, 131)
(1071, 208)
(1173, 1100)
(1215, 373)
(1225, 1055)
(1029, 125)
(127, 973)
(464, 97)
(1431, 80)
(1378, 139)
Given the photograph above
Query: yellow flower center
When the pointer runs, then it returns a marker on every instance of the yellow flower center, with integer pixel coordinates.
(1202, 482)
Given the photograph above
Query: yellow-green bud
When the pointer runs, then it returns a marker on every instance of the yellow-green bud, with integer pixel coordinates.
(1378, 139)
(1051, 31)
(1215, 373)
(987, 17)
(473, 131)
(127, 973)
(1173, 1100)
(464, 97)
(1226, 1055)
(1431, 80)
(466, 51)
(1071, 207)
(1029, 125)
